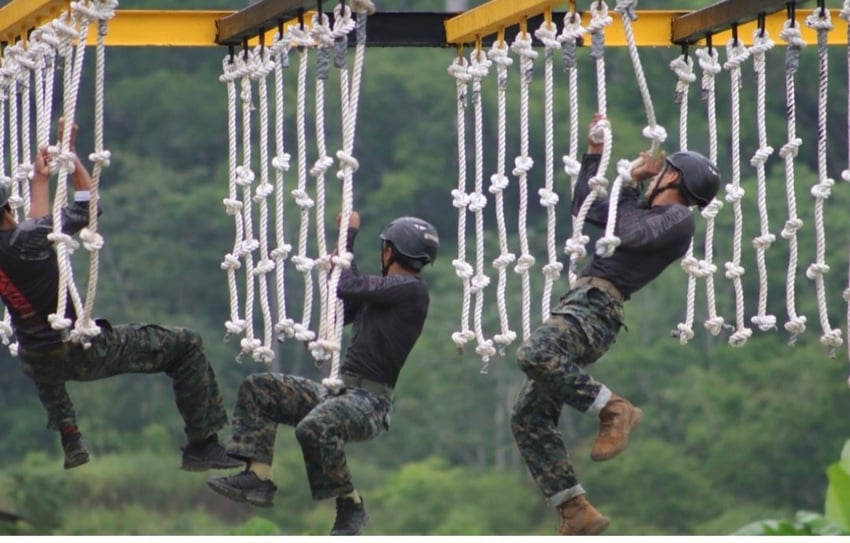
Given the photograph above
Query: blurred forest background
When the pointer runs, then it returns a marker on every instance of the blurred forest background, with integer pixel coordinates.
(731, 435)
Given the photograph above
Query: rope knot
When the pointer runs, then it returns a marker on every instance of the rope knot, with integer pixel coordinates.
(235, 327)
(57, 322)
(819, 20)
(462, 269)
(321, 166)
(281, 252)
(477, 202)
(348, 162)
(498, 183)
(498, 54)
(734, 193)
(598, 185)
(459, 69)
(710, 211)
(764, 322)
(286, 328)
(460, 199)
(714, 325)
(281, 162)
(734, 271)
(817, 270)
(479, 283)
(62, 239)
(101, 158)
(244, 175)
(571, 165)
(525, 263)
(264, 266)
(302, 199)
(656, 133)
(522, 164)
(761, 155)
(230, 262)
(303, 263)
(248, 246)
(547, 33)
(576, 246)
(302, 333)
(606, 245)
(92, 241)
(462, 338)
(832, 338)
(503, 260)
(505, 339)
(343, 260)
(684, 332)
(548, 198)
(791, 148)
(740, 337)
(552, 270)
(263, 191)
(232, 206)
(796, 326)
(763, 241)
(822, 190)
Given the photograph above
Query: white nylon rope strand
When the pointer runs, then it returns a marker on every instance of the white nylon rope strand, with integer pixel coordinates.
(547, 33)
(682, 66)
(24, 170)
(845, 175)
(575, 246)
(796, 324)
(64, 158)
(479, 67)
(322, 347)
(522, 164)
(831, 338)
(85, 328)
(6, 331)
(459, 70)
(18, 178)
(232, 67)
(761, 44)
(280, 163)
(262, 65)
(571, 33)
(349, 165)
(737, 53)
(303, 263)
(710, 65)
(498, 183)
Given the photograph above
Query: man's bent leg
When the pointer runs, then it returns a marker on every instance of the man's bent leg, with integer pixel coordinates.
(354, 415)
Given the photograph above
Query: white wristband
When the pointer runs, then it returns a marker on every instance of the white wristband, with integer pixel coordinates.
(82, 196)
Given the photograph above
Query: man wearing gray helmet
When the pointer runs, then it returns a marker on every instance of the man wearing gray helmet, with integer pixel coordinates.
(387, 312)
(655, 231)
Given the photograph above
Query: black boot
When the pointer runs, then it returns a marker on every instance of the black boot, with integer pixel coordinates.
(76, 453)
(351, 517)
(207, 454)
(245, 487)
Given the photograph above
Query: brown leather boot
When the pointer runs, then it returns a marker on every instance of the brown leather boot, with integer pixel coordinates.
(616, 420)
(578, 517)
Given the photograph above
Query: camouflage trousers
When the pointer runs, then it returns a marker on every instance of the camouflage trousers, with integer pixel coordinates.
(580, 329)
(132, 348)
(323, 424)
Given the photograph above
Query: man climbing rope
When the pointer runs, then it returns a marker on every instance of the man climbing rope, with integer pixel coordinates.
(655, 232)
(387, 313)
(29, 284)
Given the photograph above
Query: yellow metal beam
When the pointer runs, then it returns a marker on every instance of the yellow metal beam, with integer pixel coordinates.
(182, 28)
(19, 16)
(488, 18)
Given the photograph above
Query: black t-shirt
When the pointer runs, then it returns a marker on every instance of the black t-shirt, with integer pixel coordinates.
(29, 276)
(651, 238)
(388, 313)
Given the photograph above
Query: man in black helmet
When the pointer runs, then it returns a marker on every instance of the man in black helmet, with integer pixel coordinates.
(654, 232)
(29, 286)
(387, 312)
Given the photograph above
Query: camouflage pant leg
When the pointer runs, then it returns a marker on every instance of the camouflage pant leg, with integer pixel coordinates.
(264, 401)
(354, 415)
(137, 348)
(534, 423)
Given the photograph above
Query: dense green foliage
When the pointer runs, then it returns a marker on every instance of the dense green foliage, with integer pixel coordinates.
(730, 435)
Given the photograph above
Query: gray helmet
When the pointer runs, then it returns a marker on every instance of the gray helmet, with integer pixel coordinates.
(415, 242)
(700, 178)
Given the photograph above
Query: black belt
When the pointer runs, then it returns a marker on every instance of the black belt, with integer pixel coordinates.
(51, 352)
(352, 380)
(602, 284)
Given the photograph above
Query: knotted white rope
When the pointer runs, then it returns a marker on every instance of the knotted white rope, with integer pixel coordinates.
(323, 347)
(303, 263)
(522, 164)
(569, 37)
(796, 324)
(682, 66)
(261, 66)
(459, 70)
(737, 53)
(710, 65)
(576, 245)
(72, 29)
(820, 20)
(85, 328)
(284, 326)
(479, 67)
(232, 67)
(761, 44)
(350, 99)
(498, 55)
(6, 331)
(20, 169)
(548, 34)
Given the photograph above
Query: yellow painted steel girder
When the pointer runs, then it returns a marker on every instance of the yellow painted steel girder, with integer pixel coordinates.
(488, 18)
(190, 28)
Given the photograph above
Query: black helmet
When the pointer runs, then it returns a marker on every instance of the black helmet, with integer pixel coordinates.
(415, 242)
(700, 178)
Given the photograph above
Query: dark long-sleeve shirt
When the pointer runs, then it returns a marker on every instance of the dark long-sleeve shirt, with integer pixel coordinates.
(388, 313)
(651, 238)
(29, 276)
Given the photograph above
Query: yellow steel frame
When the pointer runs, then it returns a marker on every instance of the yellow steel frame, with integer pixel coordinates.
(184, 28)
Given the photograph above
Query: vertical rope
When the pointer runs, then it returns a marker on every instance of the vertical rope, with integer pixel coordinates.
(6, 331)
(548, 34)
(280, 54)
(459, 70)
(569, 37)
(796, 324)
(498, 55)
(710, 65)
(231, 68)
(737, 54)
(522, 164)
(682, 66)
(348, 166)
(845, 175)
(479, 67)
(761, 44)
(821, 22)
(85, 328)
